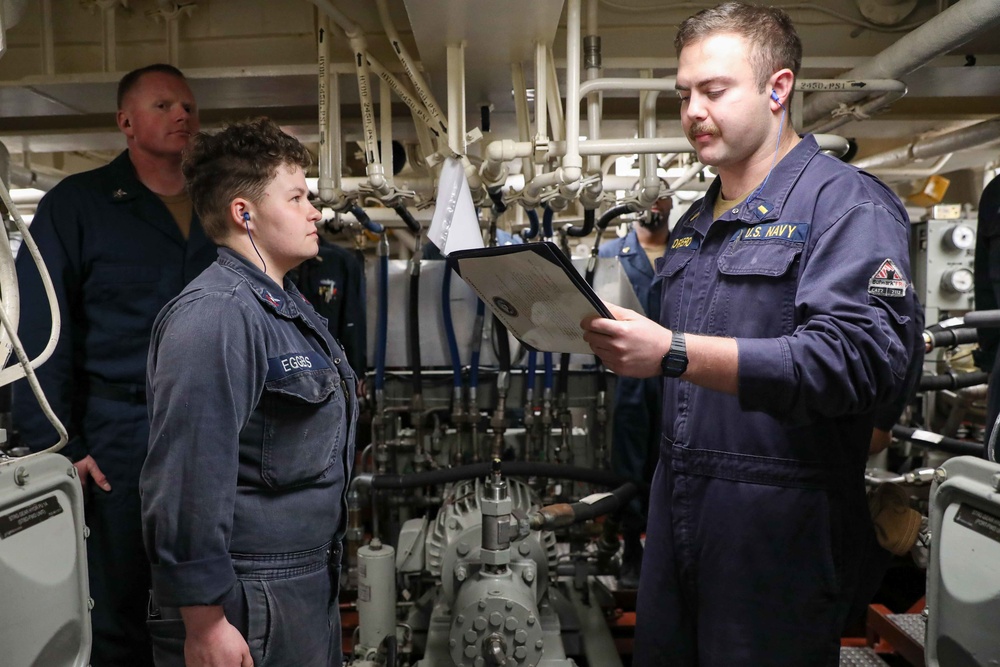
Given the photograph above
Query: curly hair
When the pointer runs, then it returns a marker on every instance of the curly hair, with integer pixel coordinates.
(239, 161)
(774, 44)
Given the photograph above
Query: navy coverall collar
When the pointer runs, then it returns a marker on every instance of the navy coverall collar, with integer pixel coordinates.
(767, 204)
(122, 187)
(268, 293)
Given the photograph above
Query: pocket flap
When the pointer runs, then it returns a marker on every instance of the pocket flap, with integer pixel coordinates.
(313, 386)
(771, 258)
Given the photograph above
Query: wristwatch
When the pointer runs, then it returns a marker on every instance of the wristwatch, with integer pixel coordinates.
(675, 361)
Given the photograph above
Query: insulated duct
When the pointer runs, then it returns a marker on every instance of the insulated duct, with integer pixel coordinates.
(946, 31)
(979, 134)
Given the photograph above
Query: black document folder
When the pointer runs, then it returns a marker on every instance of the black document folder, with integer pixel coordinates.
(534, 290)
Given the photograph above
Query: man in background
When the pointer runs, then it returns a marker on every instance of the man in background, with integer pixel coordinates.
(119, 242)
(635, 426)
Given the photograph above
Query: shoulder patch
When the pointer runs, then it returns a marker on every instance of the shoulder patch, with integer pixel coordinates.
(888, 281)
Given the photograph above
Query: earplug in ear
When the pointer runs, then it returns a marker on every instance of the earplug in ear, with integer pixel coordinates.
(246, 216)
(774, 96)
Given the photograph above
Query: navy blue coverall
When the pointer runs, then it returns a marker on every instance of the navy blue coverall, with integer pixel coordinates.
(253, 411)
(116, 257)
(635, 427)
(987, 293)
(758, 518)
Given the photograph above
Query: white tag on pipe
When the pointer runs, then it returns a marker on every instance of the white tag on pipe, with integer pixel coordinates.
(454, 225)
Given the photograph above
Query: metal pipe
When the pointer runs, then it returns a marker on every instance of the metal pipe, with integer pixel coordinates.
(416, 107)
(572, 162)
(108, 39)
(423, 90)
(541, 73)
(325, 183)
(385, 114)
(943, 33)
(521, 113)
(48, 44)
(592, 56)
(556, 114)
(456, 98)
(972, 136)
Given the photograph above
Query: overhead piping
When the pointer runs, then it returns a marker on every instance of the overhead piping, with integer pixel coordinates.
(972, 136)
(943, 33)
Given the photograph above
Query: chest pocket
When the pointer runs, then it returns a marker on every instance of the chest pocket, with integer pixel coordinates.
(124, 299)
(669, 282)
(304, 416)
(757, 284)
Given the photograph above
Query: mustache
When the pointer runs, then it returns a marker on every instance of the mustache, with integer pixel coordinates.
(703, 128)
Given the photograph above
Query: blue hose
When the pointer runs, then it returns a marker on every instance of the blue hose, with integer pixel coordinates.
(532, 231)
(547, 223)
(373, 227)
(449, 328)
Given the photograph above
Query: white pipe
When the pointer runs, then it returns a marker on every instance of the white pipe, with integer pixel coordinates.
(827, 142)
(498, 153)
(972, 136)
(910, 173)
(556, 114)
(419, 111)
(649, 190)
(521, 113)
(423, 90)
(28, 178)
(572, 162)
(859, 111)
(108, 38)
(590, 197)
(541, 73)
(325, 138)
(48, 45)
(173, 39)
(12, 373)
(943, 33)
(385, 111)
(347, 25)
(456, 98)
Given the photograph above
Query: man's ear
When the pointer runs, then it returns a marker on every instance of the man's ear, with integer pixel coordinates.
(123, 122)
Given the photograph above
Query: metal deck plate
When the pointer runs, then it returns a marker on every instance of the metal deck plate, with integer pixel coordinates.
(860, 656)
(914, 625)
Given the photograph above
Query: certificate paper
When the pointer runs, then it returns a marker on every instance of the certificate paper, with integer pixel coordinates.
(535, 292)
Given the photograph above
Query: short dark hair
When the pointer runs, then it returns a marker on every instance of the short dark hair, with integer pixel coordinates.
(773, 42)
(130, 80)
(238, 161)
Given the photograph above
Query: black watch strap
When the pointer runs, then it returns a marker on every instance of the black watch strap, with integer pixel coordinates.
(675, 361)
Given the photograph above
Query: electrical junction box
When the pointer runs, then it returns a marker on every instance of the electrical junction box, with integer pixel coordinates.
(963, 580)
(941, 259)
(44, 593)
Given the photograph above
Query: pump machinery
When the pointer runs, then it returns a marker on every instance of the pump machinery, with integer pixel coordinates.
(484, 520)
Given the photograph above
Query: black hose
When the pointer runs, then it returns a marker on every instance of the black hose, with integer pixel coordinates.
(940, 442)
(497, 196)
(610, 215)
(949, 338)
(414, 326)
(389, 642)
(619, 498)
(983, 319)
(503, 344)
(588, 225)
(510, 468)
(404, 214)
(952, 381)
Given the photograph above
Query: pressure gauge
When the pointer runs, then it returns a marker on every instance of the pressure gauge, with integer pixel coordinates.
(957, 281)
(960, 237)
